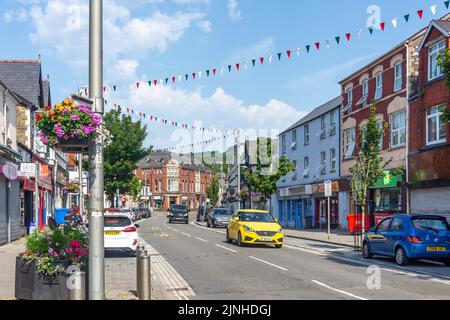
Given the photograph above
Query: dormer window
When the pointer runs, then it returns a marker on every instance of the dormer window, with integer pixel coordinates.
(434, 70)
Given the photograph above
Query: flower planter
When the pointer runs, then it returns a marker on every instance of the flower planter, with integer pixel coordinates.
(32, 286)
(73, 145)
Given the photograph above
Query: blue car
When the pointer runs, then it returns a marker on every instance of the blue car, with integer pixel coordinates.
(410, 237)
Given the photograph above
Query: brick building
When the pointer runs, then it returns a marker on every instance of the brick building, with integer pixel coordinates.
(429, 143)
(386, 80)
(171, 181)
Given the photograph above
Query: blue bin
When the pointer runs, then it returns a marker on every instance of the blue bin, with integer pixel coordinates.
(60, 215)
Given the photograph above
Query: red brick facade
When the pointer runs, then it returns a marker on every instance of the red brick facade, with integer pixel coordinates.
(428, 162)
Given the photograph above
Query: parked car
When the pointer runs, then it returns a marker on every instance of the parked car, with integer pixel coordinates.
(219, 217)
(410, 237)
(254, 227)
(129, 213)
(179, 212)
(120, 233)
(146, 213)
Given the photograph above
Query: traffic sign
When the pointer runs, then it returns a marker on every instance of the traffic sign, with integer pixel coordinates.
(27, 170)
(328, 189)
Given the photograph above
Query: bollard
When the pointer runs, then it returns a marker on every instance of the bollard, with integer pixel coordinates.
(139, 253)
(77, 289)
(144, 278)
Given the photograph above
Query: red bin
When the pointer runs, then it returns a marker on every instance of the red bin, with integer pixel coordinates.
(355, 222)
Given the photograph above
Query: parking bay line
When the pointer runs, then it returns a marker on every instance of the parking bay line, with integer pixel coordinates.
(218, 245)
(337, 290)
(202, 240)
(268, 263)
(186, 234)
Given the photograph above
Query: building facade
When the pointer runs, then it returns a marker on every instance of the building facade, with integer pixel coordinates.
(429, 143)
(313, 147)
(170, 181)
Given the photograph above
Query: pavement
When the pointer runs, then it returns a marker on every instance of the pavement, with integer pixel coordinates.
(303, 269)
(8, 254)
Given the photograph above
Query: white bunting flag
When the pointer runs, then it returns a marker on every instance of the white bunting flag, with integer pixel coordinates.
(271, 58)
(433, 9)
(298, 52)
(359, 33)
(327, 42)
(395, 22)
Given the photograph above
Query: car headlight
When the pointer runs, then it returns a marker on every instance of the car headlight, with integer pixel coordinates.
(248, 229)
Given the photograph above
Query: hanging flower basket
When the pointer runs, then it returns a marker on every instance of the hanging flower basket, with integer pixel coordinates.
(68, 126)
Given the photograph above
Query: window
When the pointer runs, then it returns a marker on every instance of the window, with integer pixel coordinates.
(348, 108)
(294, 140)
(379, 86)
(398, 129)
(365, 94)
(306, 172)
(384, 225)
(333, 160)
(323, 126)
(398, 77)
(349, 142)
(294, 174)
(306, 129)
(283, 144)
(435, 126)
(388, 200)
(434, 70)
(397, 225)
(323, 163)
(332, 123)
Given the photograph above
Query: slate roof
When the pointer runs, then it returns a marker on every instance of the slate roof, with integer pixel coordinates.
(25, 78)
(444, 24)
(316, 113)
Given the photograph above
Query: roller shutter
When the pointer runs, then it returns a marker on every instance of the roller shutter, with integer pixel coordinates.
(3, 223)
(14, 209)
(431, 201)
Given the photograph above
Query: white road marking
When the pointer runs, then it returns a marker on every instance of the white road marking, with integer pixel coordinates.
(177, 231)
(337, 290)
(186, 234)
(202, 240)
(270, 264)
(218, 245)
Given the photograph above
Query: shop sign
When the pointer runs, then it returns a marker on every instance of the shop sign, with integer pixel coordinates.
(320, 188)
(27, 170)
(387, 181)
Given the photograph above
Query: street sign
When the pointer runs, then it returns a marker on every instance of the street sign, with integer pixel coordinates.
(27, 170)
(328, 189)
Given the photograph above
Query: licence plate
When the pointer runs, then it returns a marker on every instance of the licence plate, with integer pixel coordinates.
(436, 249)
(112, 233)
(266, 239)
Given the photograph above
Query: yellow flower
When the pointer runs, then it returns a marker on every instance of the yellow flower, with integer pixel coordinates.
(68, 101)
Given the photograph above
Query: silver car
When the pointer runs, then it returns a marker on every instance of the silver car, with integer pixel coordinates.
(219, 218)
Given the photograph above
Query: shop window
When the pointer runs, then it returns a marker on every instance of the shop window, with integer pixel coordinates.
(388, 200)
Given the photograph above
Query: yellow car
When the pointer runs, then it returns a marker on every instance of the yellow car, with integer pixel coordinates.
(255, 227)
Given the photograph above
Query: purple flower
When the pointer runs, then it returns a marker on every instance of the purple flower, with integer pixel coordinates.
(65, 111)
(74, 118)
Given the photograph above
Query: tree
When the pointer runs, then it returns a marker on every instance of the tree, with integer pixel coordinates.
(135, 189)
(122, 153)
(444, 63)
(264, 179)
(213, 191)
(369, 165)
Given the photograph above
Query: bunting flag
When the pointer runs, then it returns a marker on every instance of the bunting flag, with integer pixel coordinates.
(183, 148)
(287, 53)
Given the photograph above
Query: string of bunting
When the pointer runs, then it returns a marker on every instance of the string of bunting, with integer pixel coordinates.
(289, 54)
(193, 145)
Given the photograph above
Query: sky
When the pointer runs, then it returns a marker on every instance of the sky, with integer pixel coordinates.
(154, 39)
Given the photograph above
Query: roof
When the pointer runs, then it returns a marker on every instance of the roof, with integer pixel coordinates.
(316, 113)
(18, 98)
(397, 47)
(24, 78)
(442, 25)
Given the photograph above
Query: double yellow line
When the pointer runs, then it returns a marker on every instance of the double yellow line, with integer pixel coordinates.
(9, 299)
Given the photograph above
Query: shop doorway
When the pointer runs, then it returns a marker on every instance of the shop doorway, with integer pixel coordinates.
(321, 214)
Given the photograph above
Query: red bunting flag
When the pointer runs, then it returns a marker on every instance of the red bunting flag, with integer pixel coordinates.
(104, 89)
(420, 14)
(137, 85)
(155, 82)
(193, 75)
(214, 71)
(288, 53)
(261, 60)
(237, 66)
(128, 110)
(318, 45)
(174, 79)
(383, 26)
(348, 35)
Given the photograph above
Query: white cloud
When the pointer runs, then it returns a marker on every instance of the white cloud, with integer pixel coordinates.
(233, 11)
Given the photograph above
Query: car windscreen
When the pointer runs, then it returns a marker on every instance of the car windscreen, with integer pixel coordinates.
(434, 224)
(257, 217)
(222, 212)
(117, 222)
(179, 208)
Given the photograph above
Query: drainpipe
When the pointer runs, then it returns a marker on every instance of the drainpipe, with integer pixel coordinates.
(5, 138)
(408, 204)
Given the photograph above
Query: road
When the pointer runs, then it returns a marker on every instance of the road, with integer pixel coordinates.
(303, 269)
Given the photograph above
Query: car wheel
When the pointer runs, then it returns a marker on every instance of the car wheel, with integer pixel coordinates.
(214, 225)
(228, 238)
(446, 262)
(240, 243)
(400, 257)
(366, 251)
(279, 246)
(170, 221)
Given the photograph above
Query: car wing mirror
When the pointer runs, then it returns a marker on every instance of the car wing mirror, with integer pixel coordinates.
(137, 226)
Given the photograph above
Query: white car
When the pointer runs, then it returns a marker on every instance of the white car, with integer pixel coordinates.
(120, 233)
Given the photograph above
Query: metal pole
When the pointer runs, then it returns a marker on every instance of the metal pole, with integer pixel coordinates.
(36, 197)
(238, 142)
(80, 178)
(139, 253)
(329, 218)
(144, 278)
(96, 181)
(77, 291)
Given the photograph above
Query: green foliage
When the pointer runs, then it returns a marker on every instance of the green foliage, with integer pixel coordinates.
(123, 152)
(136, 187)
(213, 191)
(264, 179)
(369, 165)
(444, 63)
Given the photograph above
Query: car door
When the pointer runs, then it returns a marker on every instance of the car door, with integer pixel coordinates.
(378, 240)
(394, 235)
